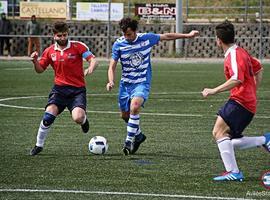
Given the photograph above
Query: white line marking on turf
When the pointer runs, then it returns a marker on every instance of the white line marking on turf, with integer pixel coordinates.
(21, 107)
(90, 111)
(106, 112)
(15, 98)
(18, 69)
(121, 193)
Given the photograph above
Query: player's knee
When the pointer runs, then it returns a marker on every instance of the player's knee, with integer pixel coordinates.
(135, 109)
(79, 119)
(219, 134)
(48, 119)
(214, 134)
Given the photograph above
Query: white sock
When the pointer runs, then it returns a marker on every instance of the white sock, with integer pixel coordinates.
(42, 134)
(227, 154)
(138, 131)
(132, 127)
(84, 120)
(248, 142)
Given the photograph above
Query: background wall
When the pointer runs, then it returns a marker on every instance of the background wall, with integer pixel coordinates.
(95, 36)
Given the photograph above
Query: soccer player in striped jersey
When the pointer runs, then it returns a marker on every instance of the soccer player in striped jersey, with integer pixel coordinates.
(134, 49)
(66, 58)
(243, 74)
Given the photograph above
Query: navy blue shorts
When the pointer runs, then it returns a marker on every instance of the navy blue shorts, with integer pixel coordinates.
(67, 96)
(236, 117)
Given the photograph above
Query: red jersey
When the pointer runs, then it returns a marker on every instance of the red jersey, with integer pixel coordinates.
(239, 65)
(67, 63)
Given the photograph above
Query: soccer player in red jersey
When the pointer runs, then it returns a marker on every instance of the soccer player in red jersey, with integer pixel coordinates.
(243, 74)
(66, 58)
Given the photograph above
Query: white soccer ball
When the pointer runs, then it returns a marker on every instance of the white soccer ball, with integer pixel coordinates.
(98, 145)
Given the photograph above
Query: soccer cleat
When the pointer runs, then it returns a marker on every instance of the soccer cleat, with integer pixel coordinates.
(127, 148)
(267, 142)
(36, 150)
(230, 176)
(85, 126)
(138, 140)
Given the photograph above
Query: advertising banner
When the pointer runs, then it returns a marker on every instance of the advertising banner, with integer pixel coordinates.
(99, 11)
(43, 10)
(164, 11)
(3, 7)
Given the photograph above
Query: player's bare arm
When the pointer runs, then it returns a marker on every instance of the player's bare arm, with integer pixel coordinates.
(111, 75)
(37, 66)
(258, 78)
(228, 85)
(93, 63)
(174, 36)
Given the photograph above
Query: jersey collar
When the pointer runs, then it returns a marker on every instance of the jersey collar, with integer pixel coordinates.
(136, 38)
(233, 47)
(57, 48)
(133, 40)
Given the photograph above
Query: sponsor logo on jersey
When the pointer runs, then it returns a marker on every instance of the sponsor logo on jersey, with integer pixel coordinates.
(71, 56)
(53, 56)
(136, 59)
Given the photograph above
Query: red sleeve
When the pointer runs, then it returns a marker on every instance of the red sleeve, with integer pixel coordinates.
(45, 59)
(256, 64)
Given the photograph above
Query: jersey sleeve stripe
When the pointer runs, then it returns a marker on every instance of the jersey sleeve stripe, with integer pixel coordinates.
(234, 65)
(86, 55)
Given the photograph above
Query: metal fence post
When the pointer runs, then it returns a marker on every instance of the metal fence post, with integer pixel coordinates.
(179, 24)
(261, 42)
(69, 10)
(128, 8)
(187, 9)
(109, 30)
(246, 10)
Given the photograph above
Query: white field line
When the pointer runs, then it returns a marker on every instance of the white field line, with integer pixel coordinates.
(115, 94)
(121, 193)
(18, 69)
(111, 112)
(114, 112)
(102, 112)
(16, 98)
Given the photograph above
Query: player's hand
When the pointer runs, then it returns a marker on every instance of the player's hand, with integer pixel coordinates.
(88, 71)
(34, 56)
(207, 92)
(193, 33)
(110, 86)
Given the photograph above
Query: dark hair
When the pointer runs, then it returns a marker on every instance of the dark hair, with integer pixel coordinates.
(126, 23)
(60, 27)
(225, 32)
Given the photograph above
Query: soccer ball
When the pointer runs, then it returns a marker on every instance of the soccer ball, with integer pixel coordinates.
(98, 145)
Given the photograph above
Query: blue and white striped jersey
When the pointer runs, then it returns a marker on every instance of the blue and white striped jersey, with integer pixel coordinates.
(135, 57)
